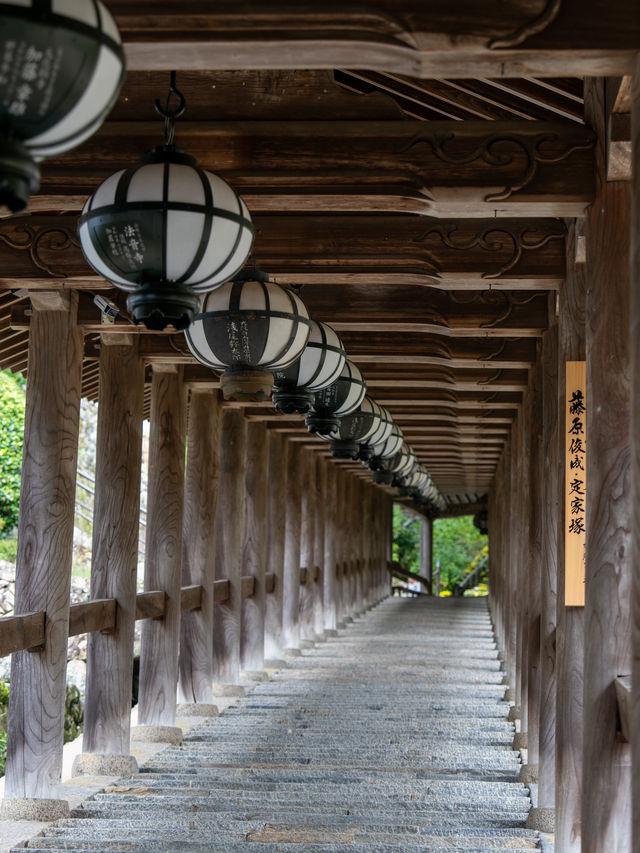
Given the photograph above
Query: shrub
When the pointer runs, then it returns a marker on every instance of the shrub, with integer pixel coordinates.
(11, 438)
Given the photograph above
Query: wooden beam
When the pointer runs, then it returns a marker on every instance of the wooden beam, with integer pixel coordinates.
(502, 168)
(98, 615)
(150, 605)
(21, 632)
(441, 39)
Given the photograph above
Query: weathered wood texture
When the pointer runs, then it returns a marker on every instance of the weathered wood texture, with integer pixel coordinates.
(426, 550)
(163, 554)
(228, 555)
(319, 503)
(18, 633)
(606, 790)
(330, 517)
(150, 605)
(308, 512)
(570, 620)
(549, 570)
(198, 545)
(278, 463)
(254, 546)
(635, 449)
(45, 540)
(114, 553)
(291, 573)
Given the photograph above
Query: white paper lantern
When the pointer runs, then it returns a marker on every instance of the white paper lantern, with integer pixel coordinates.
(61, 69)
(248, 328)
(354, 429)
(337, 400)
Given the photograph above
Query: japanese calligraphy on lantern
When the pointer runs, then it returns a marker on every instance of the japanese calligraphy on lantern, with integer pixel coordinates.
(575, 504)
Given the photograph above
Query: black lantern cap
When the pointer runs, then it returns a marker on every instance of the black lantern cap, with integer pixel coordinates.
(344, 448)
(383, 477)
(290, 399)
(159, 304)
(19, 175)
(323, 422)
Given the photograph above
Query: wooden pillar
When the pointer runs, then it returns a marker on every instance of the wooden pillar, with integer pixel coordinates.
(45, 542)
(341, 539)
(359, 511)
(606, 780)
(114, 553)
(254, 549)
(307, 542)
(291, 576)
(318, 545)
(198, 546)
(163, 559)
(511, 649)
(278, 462)
(228, 558)
(426, 548)
(543, 816)
(635, 432)
(329, 588)
(570, 621)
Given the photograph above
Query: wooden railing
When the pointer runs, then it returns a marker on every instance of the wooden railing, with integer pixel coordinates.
(27, 631)
(402, 574)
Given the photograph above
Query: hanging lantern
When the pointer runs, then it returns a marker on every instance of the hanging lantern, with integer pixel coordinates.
(318, 367)
(382, 452)
(61, 68)
(354, 428)
(248, 328)
(166, 231)
(378, 437)
(337, 400)
(401, 463)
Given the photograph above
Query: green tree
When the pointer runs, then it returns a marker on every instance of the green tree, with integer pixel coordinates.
(11, 438)
(406, 539)
(456, 545)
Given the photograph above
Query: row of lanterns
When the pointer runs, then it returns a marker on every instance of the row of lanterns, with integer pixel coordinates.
(175, 238)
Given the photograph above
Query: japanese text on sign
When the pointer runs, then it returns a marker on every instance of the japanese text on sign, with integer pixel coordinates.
(575, 483)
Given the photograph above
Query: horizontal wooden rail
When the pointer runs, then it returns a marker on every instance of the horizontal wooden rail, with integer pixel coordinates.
(303, 576)
(191, 597)
(96, 615)
(221, 591)
(397, 570)
(623, 695)
(150, 605)
(248, 586)
(270, 582)
(21, 632)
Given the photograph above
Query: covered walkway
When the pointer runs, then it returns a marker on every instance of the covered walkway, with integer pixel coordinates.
(392, 735)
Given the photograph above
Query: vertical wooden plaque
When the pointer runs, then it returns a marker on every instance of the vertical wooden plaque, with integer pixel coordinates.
(575, 503)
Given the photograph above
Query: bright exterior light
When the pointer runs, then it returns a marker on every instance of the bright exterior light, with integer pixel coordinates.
(61, 68)
(318, 367)
(249, 328)
(166, 231)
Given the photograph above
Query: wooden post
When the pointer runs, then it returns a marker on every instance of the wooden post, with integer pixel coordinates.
(45, 542)
(114, 554)
(570, 621)
(198, 546)
(606, 781)
(426, 548)
(307, 542)
(163, 559)
(329, 590)
(318, 545)
(291, 576)
(278, 463)
(635, 432)
(254, 550)
(543, 816)
(228, 561)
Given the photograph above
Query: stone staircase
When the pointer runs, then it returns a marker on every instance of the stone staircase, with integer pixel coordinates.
(391, 736)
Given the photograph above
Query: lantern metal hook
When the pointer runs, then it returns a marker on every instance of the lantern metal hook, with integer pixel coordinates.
(167, 112)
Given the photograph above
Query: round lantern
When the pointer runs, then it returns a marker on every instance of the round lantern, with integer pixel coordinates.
(61, 68)
(354, 428)
(382, 453)
(378, 437)
(249, 328)
(318, 367)
(165, 231)
(337, 400)
(399, 465)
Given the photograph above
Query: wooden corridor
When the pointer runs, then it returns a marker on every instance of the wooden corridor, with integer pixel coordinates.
(391, 736)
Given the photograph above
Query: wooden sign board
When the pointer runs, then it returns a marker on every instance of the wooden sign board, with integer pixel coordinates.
(575, 504)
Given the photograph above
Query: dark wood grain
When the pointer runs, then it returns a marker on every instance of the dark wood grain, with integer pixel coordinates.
(254, 548)
(330, 517)
(18, 633)
(115, 548)
(228, 555)
(150, 605)
(98, 615)
(278, 463)
(163, 557)
(319, 503)
(308, 512)
(195, 673)
(45, 540)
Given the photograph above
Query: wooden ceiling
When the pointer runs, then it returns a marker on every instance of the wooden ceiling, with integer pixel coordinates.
(423, 216)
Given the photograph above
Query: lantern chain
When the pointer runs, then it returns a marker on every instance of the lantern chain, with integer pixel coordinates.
(168, 113)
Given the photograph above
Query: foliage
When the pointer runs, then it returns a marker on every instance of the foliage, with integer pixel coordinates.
(73, 713)
(9, 549)
(406, 539)
(457, 544)
(11, 438)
